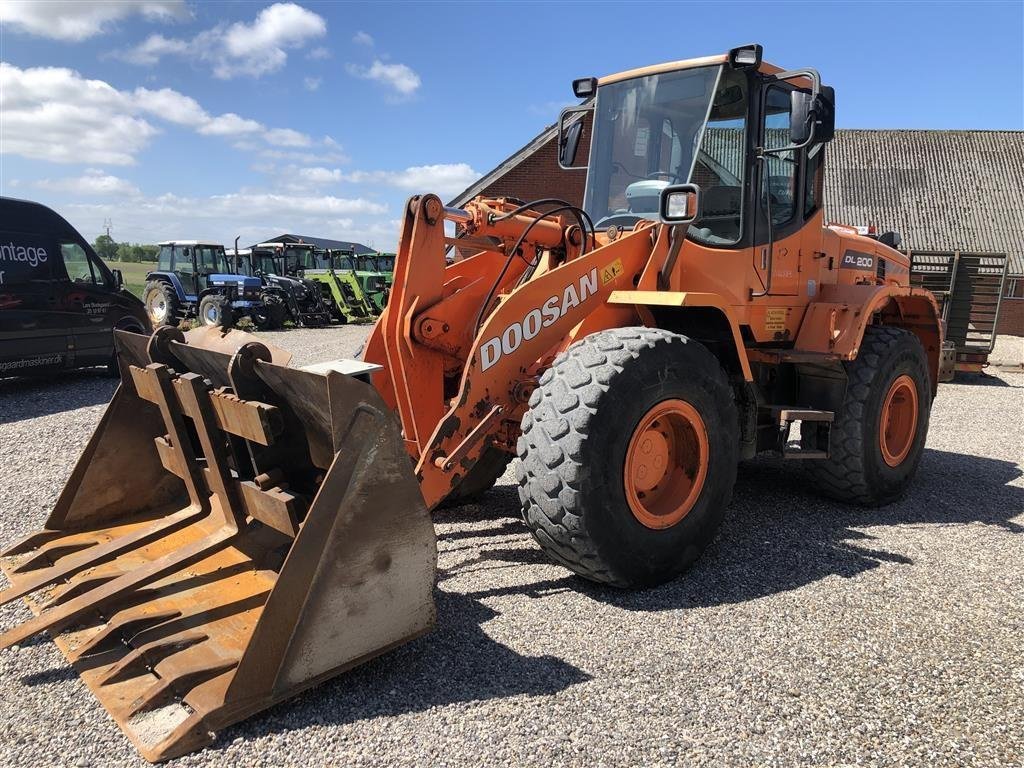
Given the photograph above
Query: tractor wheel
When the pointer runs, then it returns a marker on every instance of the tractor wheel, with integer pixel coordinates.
(628, 455)
(162, 305)
(216, 311)
(481, 477)
(269, 315)
(260, 317)
(878, 436)
(278, 313)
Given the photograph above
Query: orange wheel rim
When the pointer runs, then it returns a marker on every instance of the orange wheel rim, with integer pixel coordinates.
(666, 464)
(898, 424)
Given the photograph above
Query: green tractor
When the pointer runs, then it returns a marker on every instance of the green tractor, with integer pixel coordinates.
(341, 290)
(374, 283)
(378, 264)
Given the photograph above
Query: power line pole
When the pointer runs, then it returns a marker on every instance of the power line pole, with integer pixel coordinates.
(107, 224)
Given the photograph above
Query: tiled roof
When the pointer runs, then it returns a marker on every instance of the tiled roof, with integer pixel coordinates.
(941, 190)
(319, 242)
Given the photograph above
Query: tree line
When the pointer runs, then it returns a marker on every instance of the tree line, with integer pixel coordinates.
(111, 250)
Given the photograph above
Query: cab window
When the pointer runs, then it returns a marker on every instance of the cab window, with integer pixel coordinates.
(164, 260)
(77, 264)
(183, 261)
(209, 259)
(815, 179)
(719, 169)
(778, 181)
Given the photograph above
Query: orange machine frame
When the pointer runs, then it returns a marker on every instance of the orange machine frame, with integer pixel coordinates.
(458, 388)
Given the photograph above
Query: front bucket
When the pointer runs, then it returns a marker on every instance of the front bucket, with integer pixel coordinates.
(235, 531)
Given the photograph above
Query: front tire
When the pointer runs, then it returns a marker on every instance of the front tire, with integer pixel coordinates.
(878, 436)
(628, 456)
(215, 311)
(162, 305)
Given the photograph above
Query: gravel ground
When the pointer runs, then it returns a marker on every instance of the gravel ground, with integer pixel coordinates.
(1008, 352)
(809, 634)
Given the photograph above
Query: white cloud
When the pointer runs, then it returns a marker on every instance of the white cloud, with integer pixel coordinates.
(170, 105)
(363, 38)
(230, 124)
(312, 83)
(398, 77)
(443, 178)
(286, 137)
(318, 54)
(318, 176)
(92, 182)
(252, 49)
(332, 155)
(82, 19)
(55, 114)
(154, 47)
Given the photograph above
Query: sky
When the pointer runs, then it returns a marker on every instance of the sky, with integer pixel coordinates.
(177, 119)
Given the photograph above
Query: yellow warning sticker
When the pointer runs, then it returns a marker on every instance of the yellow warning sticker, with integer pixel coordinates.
(612, 271)
(775, 319)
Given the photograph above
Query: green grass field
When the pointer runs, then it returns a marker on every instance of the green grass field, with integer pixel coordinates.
(134, 274)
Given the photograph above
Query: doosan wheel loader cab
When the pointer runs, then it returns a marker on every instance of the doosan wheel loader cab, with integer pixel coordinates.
(238, 529)
(194, 279)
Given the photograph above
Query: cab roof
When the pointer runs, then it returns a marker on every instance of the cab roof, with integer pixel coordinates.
(276, 244)
(192, 242)
(672, 66)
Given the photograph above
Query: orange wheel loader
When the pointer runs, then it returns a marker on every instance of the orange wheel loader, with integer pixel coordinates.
(238, 529)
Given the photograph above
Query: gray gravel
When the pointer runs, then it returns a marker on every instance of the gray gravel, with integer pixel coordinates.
(809, 634)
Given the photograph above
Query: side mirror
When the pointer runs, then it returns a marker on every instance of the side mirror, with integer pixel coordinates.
(570, 131)
(825, 114)
(570, 144)
(801, 116)
(679, 203)
(118, 278)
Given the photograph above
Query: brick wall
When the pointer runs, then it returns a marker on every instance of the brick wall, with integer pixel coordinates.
(540, 175)
(1011, 317)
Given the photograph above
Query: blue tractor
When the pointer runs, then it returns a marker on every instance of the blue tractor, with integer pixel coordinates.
(194, 279)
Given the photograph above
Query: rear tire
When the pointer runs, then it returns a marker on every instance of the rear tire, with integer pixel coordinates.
(269, 316)
(215, 310)
(583, 496)
(870, 464)
(162, 305)
(481, 477)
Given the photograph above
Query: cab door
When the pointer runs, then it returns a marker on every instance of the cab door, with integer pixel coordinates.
(185, 268)
(87, 303)
(778, 266)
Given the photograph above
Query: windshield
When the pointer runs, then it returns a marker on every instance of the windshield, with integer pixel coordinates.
(210, 259)
(265, 262)
(299, 258)
(646, 131)
(343, 260)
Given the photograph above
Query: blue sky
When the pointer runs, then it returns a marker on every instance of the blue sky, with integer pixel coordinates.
(186, 119)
